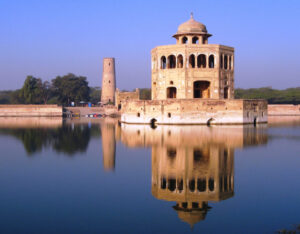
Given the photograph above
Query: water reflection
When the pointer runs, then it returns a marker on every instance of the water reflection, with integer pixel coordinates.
(196, 174)
(108, 128)
(193, 165)
(64, 137)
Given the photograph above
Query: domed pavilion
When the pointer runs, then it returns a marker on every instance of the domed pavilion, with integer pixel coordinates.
(193, 83)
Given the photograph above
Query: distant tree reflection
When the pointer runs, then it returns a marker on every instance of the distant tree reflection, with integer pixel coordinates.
(68, 139)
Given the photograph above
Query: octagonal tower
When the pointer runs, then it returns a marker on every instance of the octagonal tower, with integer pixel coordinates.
(192, 68)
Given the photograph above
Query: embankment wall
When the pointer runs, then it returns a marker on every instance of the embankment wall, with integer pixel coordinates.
(83, 111)
(30, 111)
(283, 110)
(195, 111)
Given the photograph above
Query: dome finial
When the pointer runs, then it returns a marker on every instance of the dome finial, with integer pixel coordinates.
(192, 15)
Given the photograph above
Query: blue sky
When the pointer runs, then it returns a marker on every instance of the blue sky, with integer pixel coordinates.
(50, 38)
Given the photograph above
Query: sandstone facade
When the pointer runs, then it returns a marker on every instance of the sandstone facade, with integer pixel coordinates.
(193, 83)
(191, 111)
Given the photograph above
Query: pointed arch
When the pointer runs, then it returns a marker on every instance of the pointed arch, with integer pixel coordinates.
(211, 61)
(192, 61)
(201, 61)
(179, 61)
(184, 40)
(195, 40)
(163, 62)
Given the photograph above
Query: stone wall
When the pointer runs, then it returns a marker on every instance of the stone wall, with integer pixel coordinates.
(125, 96)
(284, 109)
(30, 111)
(195, 111)
(83, 111)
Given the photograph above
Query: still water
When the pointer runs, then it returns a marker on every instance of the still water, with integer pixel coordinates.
(97, 176)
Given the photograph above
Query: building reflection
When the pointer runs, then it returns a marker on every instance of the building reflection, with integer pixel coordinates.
(193, 165)
(192, 176)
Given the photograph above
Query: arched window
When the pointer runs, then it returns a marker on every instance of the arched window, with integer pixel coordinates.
(180, 61)
(229, 62)
(192, 185)
(211, 184)
(163, 183)
(180, 184)
(211, 61)
(221, 61)
(201, 61)
(172, 184)
(184, 40)
(195, 40)
(225, 62)
(171, 61)
(221, 184)
(192, 61)
(201, 185)
(225, 184)
(163, 62)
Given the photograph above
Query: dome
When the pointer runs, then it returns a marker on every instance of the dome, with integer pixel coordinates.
(191, 27)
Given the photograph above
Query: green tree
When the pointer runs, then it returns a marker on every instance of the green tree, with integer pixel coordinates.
(16, 97)
(71, 88)
(31, 90)
(273, 96)
(145, 94)
(95, 95)
(46, 91)
(5, 96)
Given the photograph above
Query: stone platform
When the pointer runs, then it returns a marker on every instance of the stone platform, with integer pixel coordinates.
(195, 111)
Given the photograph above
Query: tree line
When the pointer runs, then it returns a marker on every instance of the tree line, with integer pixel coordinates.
(63, 90)
(273, 96)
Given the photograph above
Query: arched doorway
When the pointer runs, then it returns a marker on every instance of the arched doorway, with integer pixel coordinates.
(226, 93)
(210, 121)
(153, 123)
(171, 92)
(201, 89)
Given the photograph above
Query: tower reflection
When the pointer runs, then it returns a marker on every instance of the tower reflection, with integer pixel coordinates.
(109, 137)
(193, 165)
